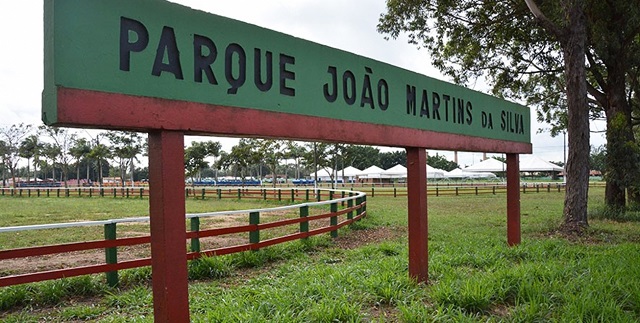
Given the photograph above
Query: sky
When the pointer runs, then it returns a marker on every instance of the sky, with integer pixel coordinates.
(347, 25)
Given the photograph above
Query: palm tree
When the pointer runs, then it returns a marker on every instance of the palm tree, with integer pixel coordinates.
(27, 149)
(99, 153)
(80, 149)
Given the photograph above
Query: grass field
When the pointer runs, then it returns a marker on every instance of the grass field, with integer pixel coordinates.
(473, 275)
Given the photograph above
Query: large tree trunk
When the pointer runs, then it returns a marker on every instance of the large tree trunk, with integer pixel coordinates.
(575, 203)
(622, 151)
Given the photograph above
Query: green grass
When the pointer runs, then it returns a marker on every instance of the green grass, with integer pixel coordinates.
(474, 276)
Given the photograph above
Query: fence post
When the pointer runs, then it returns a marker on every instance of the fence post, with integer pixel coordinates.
(67, 192)
(195, 227)
(537, 188)
(456, 191)
(494, 190)
(254, 236)
(330, 195)
(115, 192)
(476, 190)
(219, 194)
(304, 226)
(239, 194)
(548, 188)
(350, 205)
(28, 192)
(141, 192)
(334, 219)
(306, 194)
(111, 254)
(279, 195)
(342, 194)
(372, 191)
(293, 195)
(364, 200)
(186, 193)
(127, 192)
(101, 192)
(395, 192)
(318, 195)
(437, 191)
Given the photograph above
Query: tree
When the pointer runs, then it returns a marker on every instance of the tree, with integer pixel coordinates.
(295, 151)
(239, 159)
(195, 155)
(50, 153)
(80, 150)
(392, 158)
(516, 48)
(4, 156)
(99, 153)
(598, 158)
(62, 140)
(12, 137)
(31, 147)
(125, 147)
(271, 152)
(441, 162)
(361, 157)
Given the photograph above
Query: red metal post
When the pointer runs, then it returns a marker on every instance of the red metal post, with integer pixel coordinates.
(513, 199)
(418, 220)
(168, 228)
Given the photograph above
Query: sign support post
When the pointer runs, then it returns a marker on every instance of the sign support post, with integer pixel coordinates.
(418, 220)
(513, 200)
(168, 228)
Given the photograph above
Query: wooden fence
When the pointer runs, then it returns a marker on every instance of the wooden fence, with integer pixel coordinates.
(292, 194)
(345, 207)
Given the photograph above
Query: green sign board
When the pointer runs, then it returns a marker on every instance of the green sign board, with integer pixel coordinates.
(163, 50)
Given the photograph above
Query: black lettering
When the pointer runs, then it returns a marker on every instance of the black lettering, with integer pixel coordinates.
(411, 99)
(235, 82)
(459, 108)
(383, 88)
(169, 46)
(424, 105)
(286, 74)
(257, 73)
(503, 121)
(521, 122)
(202, 62)
(367, 96)
(446, 98)
(469, 109)
(348, 77)
(436, 105)
(331, 96)
(510, 119)
(128, 26)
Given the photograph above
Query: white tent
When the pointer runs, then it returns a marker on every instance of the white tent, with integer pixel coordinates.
(461, 174)
(371, 172)
(348, 174)
(433, 172)
(397, 171)
(488, 165)
(350, 171)
(324, 174)
(531, 163)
